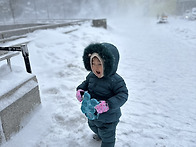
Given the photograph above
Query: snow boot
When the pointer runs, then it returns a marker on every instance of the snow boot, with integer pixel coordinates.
(96, 137)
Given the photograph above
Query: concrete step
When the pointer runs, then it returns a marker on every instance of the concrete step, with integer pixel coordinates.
(16, 104)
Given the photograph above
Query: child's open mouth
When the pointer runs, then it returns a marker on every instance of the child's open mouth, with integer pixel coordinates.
(98, 72)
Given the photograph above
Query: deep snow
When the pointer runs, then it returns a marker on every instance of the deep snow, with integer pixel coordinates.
(157, 63)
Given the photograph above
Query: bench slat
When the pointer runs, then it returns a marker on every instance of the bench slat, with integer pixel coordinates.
(8, 55)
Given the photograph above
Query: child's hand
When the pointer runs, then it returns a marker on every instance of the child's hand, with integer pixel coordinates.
(102, 107)
(79, 95)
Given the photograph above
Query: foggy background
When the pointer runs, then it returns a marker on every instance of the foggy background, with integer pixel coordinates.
(15, 11)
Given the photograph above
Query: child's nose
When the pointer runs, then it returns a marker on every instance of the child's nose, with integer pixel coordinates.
(96, 67)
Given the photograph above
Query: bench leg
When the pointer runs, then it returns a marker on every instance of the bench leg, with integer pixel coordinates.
(9, 63)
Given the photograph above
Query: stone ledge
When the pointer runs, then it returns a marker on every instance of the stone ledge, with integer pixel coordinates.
(16, 105)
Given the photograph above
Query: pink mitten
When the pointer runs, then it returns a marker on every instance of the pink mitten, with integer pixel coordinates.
(79, 95)
(102, 107)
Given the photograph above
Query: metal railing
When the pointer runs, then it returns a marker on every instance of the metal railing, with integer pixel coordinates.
(21, 31)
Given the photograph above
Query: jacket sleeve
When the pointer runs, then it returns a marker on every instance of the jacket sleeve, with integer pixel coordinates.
(120, 94)
(84, 84)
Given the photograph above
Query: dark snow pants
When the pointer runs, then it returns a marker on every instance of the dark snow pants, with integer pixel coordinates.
(106, 131)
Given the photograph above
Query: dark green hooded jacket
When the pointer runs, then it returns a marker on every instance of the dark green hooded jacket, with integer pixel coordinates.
(111, 87)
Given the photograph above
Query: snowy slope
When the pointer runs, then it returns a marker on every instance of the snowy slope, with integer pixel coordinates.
(157, 63)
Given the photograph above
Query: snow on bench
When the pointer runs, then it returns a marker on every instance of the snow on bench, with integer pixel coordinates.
(4, 55)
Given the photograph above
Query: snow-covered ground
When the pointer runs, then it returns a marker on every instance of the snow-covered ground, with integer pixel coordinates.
(158, 63)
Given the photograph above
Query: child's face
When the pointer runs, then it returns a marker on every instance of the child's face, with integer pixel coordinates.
(97, 67)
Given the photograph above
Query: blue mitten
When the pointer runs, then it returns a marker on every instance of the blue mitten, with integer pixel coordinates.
(88, 105)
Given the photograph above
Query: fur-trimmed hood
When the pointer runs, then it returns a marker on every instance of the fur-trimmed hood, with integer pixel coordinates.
(108, 53)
